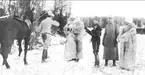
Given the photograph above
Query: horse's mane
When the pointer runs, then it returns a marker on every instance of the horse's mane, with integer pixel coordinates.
(19, 20)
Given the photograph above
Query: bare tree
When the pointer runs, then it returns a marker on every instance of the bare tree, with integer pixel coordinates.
(62, 11)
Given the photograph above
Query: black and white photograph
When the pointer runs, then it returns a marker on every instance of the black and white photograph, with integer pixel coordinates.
(72, 37)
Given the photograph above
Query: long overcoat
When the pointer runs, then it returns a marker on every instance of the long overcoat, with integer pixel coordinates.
(127, 41)
(110, 42)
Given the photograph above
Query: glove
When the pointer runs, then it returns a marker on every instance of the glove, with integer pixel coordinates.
(85, 27)
(103, 43)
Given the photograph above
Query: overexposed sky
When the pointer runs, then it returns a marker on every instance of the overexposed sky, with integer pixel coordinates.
(105, 8)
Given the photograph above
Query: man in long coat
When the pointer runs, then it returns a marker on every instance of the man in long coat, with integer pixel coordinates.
(73, 47)
(78, 29)
(110, 42)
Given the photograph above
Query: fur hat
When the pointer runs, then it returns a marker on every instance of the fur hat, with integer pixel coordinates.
(130, 20)
(50, 13)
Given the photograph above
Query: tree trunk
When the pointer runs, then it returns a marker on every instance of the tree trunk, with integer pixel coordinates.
(24, 5)
(60, 8)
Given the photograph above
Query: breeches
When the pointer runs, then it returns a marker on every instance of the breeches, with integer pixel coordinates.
(78, 45)
(95, 45)
(46, 40)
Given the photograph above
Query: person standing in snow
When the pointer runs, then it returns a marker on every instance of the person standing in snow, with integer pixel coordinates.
(95, 33)
(110, 42)
(45, 29)
(73, 46)
(127, 40)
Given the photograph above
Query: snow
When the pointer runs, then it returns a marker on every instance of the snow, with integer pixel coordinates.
(56, 64)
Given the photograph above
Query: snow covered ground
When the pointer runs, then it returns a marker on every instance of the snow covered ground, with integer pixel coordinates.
(56, 64)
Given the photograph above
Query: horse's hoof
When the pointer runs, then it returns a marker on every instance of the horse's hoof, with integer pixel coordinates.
(44, 61)
(3, 63)
(19, 55)
(7, 66)
(26, 63)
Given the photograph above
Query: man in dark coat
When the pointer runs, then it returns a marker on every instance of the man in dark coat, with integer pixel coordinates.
(110, 42)
(95, 33)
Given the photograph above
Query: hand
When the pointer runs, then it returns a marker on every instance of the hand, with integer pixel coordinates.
(35, 31)
(90, 41)
(85, 27)
(103, 43)
(117, 39)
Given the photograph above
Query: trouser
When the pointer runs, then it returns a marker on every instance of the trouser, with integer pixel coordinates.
(46, 41)
(78, 42)
(95, 45)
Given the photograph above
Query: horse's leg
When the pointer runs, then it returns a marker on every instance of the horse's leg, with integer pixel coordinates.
(20, 47)
(5, 56)
(25, 51)
(6, 51)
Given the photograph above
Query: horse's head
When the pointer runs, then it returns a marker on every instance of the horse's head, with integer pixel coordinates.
(29, 15)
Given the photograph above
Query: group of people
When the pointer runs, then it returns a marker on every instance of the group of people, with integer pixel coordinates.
(123, 38)
(116, 37)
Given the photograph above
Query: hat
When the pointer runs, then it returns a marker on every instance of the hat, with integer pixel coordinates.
(43, 12)
(130, 20)
(96, 18)
(50, 13)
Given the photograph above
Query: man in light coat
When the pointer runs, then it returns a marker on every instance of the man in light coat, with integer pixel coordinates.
(78, 29)
(127, 45)
(45, 29)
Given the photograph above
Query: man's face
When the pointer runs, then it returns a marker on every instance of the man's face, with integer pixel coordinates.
(95, 26)
(110, 20)
(51, 17)
(96, 21)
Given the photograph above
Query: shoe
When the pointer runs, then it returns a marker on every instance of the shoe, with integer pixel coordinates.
(114, 65)
(77, 60)
(96, 65)
(72, 60)
(106, 62)
(44, 54)
(106, 65)
(45, 60)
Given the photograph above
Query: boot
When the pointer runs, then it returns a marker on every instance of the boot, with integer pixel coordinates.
(44, 55)
(97, 58)
(106, 62)
(114, 63)
(97, 63)
(77, 60)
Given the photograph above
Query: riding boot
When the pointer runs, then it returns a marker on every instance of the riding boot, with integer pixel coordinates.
(97, 62)
(106, 62)
(44, 55)
(77, 60)
(114, 63)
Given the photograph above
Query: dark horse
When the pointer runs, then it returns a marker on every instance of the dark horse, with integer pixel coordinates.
(11, 29)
